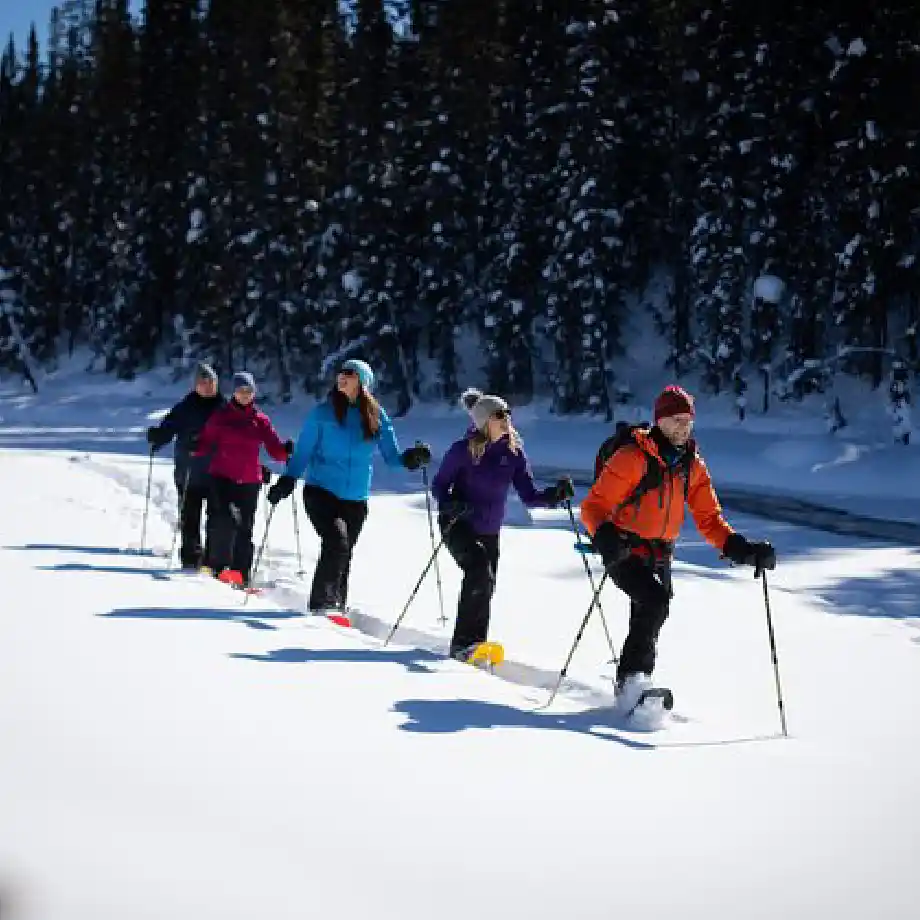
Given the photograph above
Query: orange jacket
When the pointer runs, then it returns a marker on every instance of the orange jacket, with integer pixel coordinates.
(659, 514)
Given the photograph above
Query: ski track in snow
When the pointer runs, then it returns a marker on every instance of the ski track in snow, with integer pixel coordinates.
(408, 637)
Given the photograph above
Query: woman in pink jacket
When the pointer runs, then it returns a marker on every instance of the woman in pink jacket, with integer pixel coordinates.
(232, 438)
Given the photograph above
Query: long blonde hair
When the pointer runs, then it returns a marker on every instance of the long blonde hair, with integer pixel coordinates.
(479, 441)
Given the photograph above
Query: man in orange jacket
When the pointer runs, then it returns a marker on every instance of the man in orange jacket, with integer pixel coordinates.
(634, 513)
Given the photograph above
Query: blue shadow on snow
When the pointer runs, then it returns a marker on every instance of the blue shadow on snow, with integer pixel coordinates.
(158, 574)
(88, 550)
(413, 660)
(441, 717)
(249, 618)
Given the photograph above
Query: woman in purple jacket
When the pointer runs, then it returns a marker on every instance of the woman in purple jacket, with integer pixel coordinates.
(471, 489)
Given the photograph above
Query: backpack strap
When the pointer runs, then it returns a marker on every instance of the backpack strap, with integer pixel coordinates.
(653, 478)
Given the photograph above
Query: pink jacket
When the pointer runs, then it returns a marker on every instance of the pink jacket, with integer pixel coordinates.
(232, 438)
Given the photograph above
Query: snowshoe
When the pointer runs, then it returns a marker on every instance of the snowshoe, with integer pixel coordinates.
(334, 614)
(641, 703)
(231, 577)
(653, 699)
(481, 655)
(235, 580)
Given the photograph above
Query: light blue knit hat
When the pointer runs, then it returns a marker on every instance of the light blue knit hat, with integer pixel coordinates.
(363, 370)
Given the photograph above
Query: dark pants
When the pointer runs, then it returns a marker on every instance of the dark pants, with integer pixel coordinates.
(647, 582)
(231, 517)
(193, 493)
(477, 556)
(338, 524)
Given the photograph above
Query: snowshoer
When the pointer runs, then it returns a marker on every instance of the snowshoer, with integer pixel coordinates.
(184, 422)
(634, 512)
(231, 440)
(334, 455)
(471, 488)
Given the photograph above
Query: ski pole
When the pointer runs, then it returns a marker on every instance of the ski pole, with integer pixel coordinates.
(300, 571)
(182, 500)
(584, 559)
(147, 503)
(579, 634)
(442, 619)
(779, 689)
(421, 578)
(255, 566)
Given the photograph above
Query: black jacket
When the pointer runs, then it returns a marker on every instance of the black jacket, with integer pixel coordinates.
(184, 423)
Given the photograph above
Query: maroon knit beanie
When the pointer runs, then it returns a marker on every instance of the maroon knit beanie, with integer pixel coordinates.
(673, 400)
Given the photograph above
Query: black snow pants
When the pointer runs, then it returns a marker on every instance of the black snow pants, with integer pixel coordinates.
(232, 515)
(194, 493)
(338, 524)
(477, 555)
(647, 582)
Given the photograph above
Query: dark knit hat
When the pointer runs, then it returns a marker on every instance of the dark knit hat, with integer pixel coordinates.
(673, 400)
(244, 380)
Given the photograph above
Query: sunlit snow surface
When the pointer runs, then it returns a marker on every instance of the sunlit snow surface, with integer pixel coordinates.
(169, 751)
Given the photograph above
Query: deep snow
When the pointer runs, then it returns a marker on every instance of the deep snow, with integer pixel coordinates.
(169, 751)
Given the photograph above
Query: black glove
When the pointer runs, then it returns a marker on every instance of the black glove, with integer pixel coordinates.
(266, 476)
(281, 489)
(289, 447)
(414, 457)
(157, 438)
(761, 555)
(563, 491)
(453, 510)
(611, 544)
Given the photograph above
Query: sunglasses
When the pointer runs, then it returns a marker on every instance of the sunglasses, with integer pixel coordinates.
(348, 372)
(501, 415)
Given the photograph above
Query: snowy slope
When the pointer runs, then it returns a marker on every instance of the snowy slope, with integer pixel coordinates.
(171, 752)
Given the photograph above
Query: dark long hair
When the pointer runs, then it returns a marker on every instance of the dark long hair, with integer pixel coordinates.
(367, 406)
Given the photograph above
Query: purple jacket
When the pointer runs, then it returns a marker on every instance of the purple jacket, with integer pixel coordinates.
(484, 484)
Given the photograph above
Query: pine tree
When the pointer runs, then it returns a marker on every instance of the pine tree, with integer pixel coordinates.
(117, 329)
(511, 214)
(674, 96)
(169, 84)
(857, 165)
(717, 247)
(592, 266)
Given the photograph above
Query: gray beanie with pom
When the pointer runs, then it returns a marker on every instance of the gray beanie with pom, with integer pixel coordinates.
(481, 406)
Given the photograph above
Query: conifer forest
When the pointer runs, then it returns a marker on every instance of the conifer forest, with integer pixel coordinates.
(269, 185)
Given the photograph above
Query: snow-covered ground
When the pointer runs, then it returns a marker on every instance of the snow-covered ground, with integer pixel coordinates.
(152, 765)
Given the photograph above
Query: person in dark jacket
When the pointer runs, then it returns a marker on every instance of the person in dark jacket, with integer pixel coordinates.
(334, 455)
(184, 422)
(231, 441)
(471, 488)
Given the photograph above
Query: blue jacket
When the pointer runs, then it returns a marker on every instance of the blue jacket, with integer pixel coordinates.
(337, 457)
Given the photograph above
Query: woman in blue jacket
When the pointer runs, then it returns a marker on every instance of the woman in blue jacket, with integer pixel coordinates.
(334, 455)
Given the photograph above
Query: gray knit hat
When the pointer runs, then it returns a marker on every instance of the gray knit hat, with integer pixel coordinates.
(205, 372)
(481, 406)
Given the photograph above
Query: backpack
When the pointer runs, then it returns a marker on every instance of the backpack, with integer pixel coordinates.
(652, 478)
